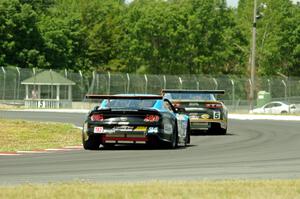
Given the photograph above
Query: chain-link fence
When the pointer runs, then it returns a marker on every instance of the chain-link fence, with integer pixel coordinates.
(12, 89)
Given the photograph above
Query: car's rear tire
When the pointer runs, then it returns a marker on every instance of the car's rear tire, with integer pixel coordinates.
(174, 142)
(188, 135)
(92, 143)
(223, 131)
(216, 129)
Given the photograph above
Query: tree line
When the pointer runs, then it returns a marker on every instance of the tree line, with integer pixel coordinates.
(150, 36)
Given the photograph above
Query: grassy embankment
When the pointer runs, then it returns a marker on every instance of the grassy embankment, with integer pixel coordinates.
(25, 135)
(232, 189)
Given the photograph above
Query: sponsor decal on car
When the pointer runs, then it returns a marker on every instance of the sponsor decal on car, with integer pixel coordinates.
(123, 123)
(194, 117)
(205, 116)
(124, 128)
(140, 128)
(217, 115)
(109, 131)
(153, 130)
(98, 129)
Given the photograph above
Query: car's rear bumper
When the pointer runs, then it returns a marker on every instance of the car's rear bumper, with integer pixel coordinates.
(156, 136)
(108, 139)
(205, 124)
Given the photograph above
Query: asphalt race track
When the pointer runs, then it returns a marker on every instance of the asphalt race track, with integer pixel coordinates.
(253, 149)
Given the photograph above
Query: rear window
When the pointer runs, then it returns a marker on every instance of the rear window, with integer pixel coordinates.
(192, 96)
(129, 103)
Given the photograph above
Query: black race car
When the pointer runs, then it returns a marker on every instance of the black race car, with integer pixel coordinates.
(122, 119)
(205, 112)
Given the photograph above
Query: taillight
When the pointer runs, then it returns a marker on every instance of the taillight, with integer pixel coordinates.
(212, 105)
(97, 117)
(151, 118)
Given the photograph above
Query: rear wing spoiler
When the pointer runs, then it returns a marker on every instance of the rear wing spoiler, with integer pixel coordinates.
(138, 97)
(192, 91)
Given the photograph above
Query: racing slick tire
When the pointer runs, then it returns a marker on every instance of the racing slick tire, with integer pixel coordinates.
(223, 131)
(216, 129)
(174, 142)
(187, 139)
(92, 143)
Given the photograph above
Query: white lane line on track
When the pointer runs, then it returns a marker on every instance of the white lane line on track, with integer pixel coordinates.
(32, 151)
(73, 147)
(264, 117)
(8, 154)
(44, 151)
(64, 149)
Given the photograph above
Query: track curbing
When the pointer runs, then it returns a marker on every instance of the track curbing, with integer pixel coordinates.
(41, 151)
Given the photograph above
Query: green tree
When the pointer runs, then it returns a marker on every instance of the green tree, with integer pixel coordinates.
(194, 36)
(64, 36)
(277, 35)
(20, 40)
(102, 21)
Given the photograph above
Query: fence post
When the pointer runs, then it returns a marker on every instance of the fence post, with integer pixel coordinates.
(165, 82)
(4, 82)
(15, 88)
(52, 88)
(34, 75)
(18, 82)
(81, 82)
(289, 94)
(269, 86)
(108, 84)
(128, 83)
(97, 83)
(250, 85)
(91, 86)
(180, 81)
(66, 73)
(198, 85)
(285, 89)
(216, 83)
(66, 76)
(146, 83)
(233, 92)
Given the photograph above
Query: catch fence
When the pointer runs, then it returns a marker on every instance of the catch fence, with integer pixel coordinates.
(12, 90)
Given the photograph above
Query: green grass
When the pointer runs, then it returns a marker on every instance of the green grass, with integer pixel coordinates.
(25, 135)
(232, 189)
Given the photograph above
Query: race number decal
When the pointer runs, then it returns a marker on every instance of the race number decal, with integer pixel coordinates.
(217, 115)
(41, 104)
(98, 129)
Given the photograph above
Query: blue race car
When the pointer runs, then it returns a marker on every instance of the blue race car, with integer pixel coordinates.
(148, 119)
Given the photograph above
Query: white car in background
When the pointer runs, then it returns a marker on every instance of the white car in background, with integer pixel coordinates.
(276, 107)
